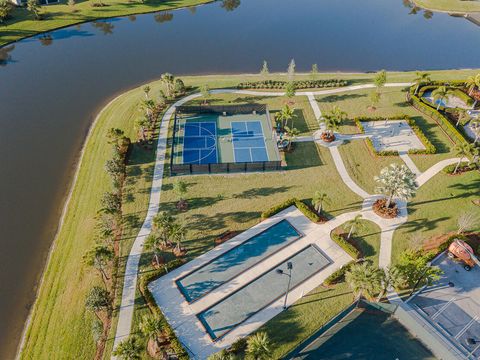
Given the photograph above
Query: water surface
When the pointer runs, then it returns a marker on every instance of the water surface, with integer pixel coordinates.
(52, 86)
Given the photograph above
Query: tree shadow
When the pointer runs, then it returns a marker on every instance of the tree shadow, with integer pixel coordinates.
(304, 155)
(335, 98)
(428, 129)
(264, 191)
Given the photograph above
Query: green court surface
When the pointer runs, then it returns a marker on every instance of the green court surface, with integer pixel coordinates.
(365, 331)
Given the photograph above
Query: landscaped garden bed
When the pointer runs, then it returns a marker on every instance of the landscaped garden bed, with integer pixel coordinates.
(380, 208)
(298, 84)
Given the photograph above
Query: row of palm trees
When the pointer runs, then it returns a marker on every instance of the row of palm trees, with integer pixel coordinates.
(103, 256)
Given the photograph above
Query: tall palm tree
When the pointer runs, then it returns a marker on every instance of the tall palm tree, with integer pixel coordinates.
(129, 349)
(355, 224)
(396, 180)
(142, 123)
(364, 279)
(391, 277)
(258, 346)
(422, 77)
(151, 327)
(292, 134)
(286, 114)
(334, 118)
(99, 257)
(462, 117)
(463, 150)
(440, 94)
(472, 82)
(152, 243)
(320, 198)
(168, 80)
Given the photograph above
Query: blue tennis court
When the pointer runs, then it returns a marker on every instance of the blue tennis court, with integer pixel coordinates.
(200, 143)
(248, 141)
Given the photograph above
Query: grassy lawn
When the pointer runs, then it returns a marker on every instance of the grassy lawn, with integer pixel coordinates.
(366, 239)
(22, 24)
(436, 208)
(303, 318)
(60, 324)
(459, 6)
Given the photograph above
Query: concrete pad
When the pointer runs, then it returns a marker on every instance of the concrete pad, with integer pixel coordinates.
(392, 135)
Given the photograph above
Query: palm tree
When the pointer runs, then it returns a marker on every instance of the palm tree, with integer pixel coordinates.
(99, 257)
(396, 180)
(462, 117)
(334, 118)
(177, 234)
(222, 355)
(258, 346)
(34, 7)
(364, 279)
(422, 77)
(180, 188)
(168, 80)
(142, 123)
(292, 134)
(129, 349)
(286, 114)
(320, 198)
(440, 94)
(146, 91)
(205, 91)
(98, 300)
(463, 150)
(472, 82)
(151, 327)
(355, 224)
(161, 225)
(391, 277)
(152, 243)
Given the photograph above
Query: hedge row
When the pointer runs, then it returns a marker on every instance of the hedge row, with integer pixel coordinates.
(305, 209)
(345, 245)
(338, 275)
(299, 84)
(429, 147)
(143, 282)
(444, 123)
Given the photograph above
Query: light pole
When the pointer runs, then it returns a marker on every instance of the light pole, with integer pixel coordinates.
(281, 272)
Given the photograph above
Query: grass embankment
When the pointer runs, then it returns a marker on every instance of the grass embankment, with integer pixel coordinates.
(436, 208)
(22, 24)
(450, 6)
(60, 324)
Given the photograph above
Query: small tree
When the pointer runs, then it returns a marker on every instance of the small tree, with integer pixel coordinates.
(467, 221)
(415, 268)
(179, 87)
(462, 117)
(290, 89)
(97, 330)
(205, 91)
(258, 346)
(264, 71)
(374, 99)
(34, 7)
(100, 257)
(314, 72)
(177, 234)
(97, 301)
(142, 124)
(320, 198)
(422, 77)
(180, 187)
(111, 203)
(291, 70)
(292, 134)
(153, 243)
(472, 82)
(286, 114)
(152, 327)
(161, 225)
(333, 119)
(146, 90)
(463, 150)
(391, 277)
(6, 8)
(222, 355)
(396, 180)
(364, 279)
(168, 81)
(355, 224)
(129, 349)
(380, 79)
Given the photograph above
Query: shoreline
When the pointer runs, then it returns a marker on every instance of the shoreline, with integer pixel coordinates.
(76, 167)
(74, 23)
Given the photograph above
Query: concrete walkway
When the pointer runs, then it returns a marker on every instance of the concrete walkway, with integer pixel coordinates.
(409, 162)
(126, 310)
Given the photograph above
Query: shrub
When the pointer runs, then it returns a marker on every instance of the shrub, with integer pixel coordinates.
(464, 166)
(305, 209)
(345, 245)
(299, 84)
(338, 275)
(143, 282)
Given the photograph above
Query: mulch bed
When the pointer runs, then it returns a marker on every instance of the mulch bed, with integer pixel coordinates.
(327, 137)
(381, 210)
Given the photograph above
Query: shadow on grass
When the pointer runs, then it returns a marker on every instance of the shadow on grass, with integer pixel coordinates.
(335, 98)
(304, 155)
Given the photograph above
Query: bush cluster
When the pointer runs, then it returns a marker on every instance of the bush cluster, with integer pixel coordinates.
(299, 84)
(345, 245)
(305, 209)
(441, 120)
(143, 282)
(338, 275)
(464, 166)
